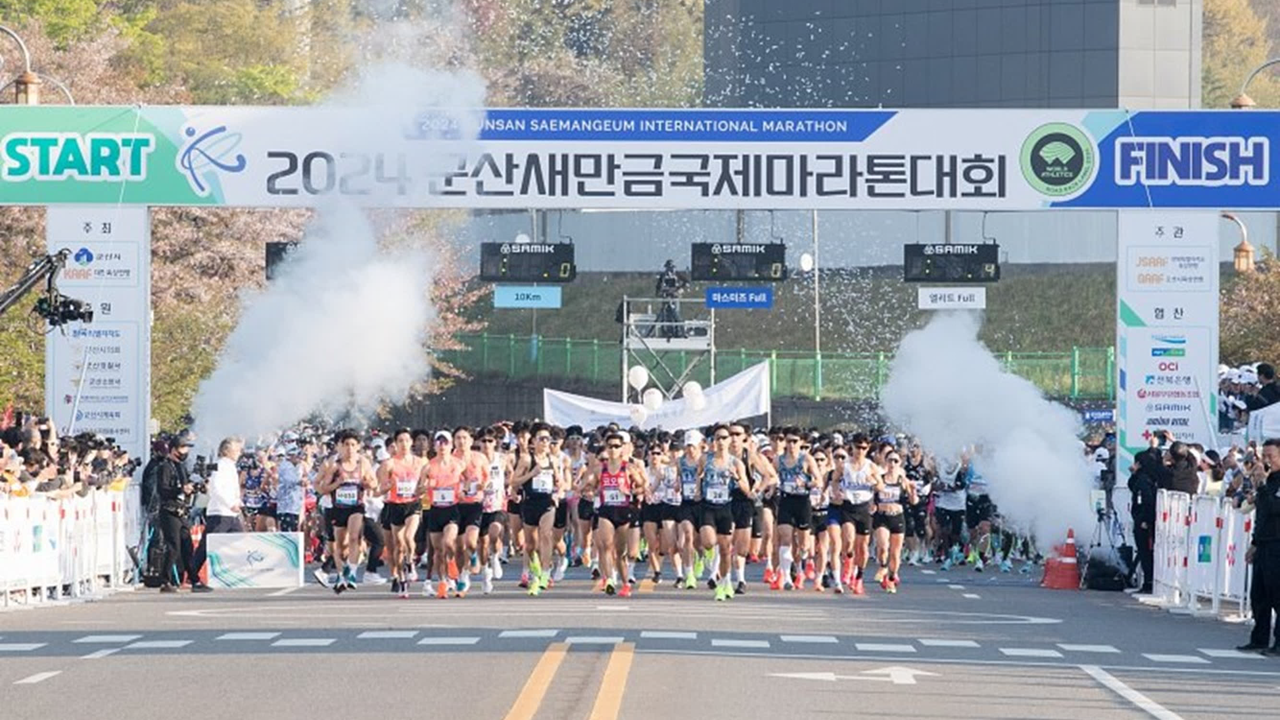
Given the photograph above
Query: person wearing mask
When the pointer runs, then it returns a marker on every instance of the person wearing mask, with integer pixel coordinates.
(175, 490)
(1264, 554)
(1183, 469)
(1144, 481)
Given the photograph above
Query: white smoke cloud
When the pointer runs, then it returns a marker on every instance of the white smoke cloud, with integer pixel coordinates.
(946, 388)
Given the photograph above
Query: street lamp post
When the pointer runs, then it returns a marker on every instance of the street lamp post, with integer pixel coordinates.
(26, 87)
(1243, 101)
(807, 263)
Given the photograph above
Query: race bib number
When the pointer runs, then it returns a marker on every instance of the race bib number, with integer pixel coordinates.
(347, 495)
(614, 496)
(544, 482)
(689, 488)
(406, 488)
(442, 496)
(718, 495)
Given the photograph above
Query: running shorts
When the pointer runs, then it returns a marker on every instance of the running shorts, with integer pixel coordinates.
(917, 519)
(619, 516)
(489, 518)
(513, 507)
(859, 516)
(690, 512)
(533, 507)
(796, 511)
(269, 510)
(669, 513)
(469, 515)
(979, 510)
(398, 514)
(820, 518)
(340, 515)
(562, 515)
(949, 521)
(719, 517)
(743, 512)
(439, 517)
(651, 514)
(895, 523)
(586, 510)
(757, 522)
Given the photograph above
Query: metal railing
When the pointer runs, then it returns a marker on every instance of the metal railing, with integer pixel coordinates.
(1077, 374)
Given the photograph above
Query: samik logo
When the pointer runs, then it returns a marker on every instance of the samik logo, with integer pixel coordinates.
(1058, 160)
(1193, 161)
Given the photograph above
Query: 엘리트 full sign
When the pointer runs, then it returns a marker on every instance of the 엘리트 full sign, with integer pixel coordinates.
(696, 159)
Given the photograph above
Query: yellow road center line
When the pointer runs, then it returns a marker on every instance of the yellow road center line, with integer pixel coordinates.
(614, 684)
(535, 688)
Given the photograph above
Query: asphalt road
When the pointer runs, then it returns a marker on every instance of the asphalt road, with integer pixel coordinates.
(948, 645)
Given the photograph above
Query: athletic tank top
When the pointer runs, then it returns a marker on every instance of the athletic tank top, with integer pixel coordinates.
(920, 478)
(665, 482)
(793, 477)
(717, 483)
(820, 498)
(444, 479)
(253, 497)
(575, 467)
(889, 493)
(471, 490)
(543, 481)
(350, 491)
(856, 483)
(688, 472)
(614, 488)
(404, 474)
(495, 492)
(735, 492)
(977, 483)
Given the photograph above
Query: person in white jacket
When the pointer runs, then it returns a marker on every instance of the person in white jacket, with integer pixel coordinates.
(223, 512)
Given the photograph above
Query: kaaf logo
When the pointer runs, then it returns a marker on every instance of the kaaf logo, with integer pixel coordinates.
(206, 153)
(1193, 161)
(83, 256)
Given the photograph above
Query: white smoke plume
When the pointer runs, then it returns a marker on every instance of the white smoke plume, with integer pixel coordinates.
(946, 388)
(342, 327)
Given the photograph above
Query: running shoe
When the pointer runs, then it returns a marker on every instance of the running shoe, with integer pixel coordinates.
(913, 560)
(1026, 569)
(776, 582)
(946, 565)
(690, 582)
(496, 562)
(768, 576)
(809, 571)
(544, 581)
(885, 583)
(561, 566)
(609, 589)
(453, 570)
(698, 565)
(442, 590)
(395, 586)
(625, 590)
(595, 572)
(858, 589)
(535, 566)
(631, 579)
(788, 585)
(978, 565)
(599, 586)
(720, 594)
(322, 577)
(825, 583)
(753, 559)
(892, 588)
(741, 588)
(350, 575)
(881, 574)
(524, 580)
(839, 589)
(1006, 566)
(711, 583)
(535, 589)
(404, 591)
(657, 577)
(373, 578)
(464, 585)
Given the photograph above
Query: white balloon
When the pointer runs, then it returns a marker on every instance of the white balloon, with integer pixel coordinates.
(698, 402)
(691, 389)
(806, 262)
(638, 377)
(652, 399)
(639, 414)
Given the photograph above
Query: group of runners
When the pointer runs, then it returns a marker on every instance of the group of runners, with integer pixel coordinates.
(697, 507)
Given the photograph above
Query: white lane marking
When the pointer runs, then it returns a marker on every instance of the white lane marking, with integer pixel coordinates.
(158, 645)
(107, 638)
(99, 654)
(1192, 659)
(1141, 701)
(594, 640)
(613, 607)
(1233, 654)
(387, 635)
(971, 596)
(249, 636)
(304, 642)
(816, 639)
(928, 572)
(38, 677)
(955, 587)
(1088, 648)
(449, 641)
(884, 647)
(528, 633)
(20, 647)
(947, 643)
(721, 642)
(666, 635)
(282, 592)
(1030, 652)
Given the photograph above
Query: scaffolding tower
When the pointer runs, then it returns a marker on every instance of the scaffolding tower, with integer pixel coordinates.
(671, 338)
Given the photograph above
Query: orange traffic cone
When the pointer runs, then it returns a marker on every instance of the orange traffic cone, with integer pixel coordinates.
(1063, 572)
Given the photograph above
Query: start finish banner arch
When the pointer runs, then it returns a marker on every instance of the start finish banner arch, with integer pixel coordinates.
(1173, 169)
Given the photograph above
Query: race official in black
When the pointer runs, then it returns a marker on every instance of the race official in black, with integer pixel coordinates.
(1264, 553)
(174, 488)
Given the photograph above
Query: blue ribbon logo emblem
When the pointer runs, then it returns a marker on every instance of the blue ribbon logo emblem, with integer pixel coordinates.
(206, 154)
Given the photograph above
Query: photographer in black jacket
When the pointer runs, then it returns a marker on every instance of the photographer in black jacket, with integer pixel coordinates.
(175, 490)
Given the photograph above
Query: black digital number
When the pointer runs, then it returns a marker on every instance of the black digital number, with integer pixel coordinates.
(291, 167)
(361, 170)
(309, 173)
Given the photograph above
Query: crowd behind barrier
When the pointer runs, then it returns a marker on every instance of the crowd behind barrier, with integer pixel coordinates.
(52, 549)
(1200, 545)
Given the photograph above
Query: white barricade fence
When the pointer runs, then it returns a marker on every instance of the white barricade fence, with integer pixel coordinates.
(51, 549)
(1200, 545)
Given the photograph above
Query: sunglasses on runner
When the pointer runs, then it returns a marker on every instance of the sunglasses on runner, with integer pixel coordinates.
(614, 446)
(842, 457)
(863, 447)
(488, 441)
(792, 440)
(722, 437)
(543, 438)
(737, 433)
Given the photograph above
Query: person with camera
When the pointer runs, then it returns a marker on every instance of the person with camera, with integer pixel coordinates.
(176, 491)
(1264, 554)
(1147, 475)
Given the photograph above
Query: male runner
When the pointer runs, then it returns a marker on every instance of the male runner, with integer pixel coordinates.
(541, 481)
(400, 479)
(854, 493)
(722, 473)
(616, 481)
(347, 479)
(798, 473)
(475, 477)
(493, 521)
(442, 481)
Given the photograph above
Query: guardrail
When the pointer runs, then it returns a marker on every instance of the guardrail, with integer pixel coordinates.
(1200, 544)
(55, 549)
(1080, 374)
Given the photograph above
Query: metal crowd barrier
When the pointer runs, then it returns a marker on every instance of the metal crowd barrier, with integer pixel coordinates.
(58, 549)
(1200, 544)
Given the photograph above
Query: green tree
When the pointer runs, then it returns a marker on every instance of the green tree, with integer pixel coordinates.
(1236, 40)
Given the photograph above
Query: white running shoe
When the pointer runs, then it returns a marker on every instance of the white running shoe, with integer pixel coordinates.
(486, 585)
(557, 575)
(496, 562)
(372, 578)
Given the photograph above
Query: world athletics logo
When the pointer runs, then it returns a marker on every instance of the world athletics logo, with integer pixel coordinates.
(206, 154)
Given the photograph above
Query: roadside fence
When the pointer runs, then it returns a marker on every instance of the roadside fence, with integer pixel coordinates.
(1200, 545)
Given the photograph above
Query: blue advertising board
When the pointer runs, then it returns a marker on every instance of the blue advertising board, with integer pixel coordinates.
(740, 298)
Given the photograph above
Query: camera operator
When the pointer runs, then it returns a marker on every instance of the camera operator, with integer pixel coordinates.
(1264, 554)
(176, 491)
(669, 287)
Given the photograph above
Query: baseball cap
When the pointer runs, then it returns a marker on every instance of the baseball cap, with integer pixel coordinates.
(186, 438)
(626, 436)
(693, 437)
(443, 434)
(382, 455)
(1101, 455)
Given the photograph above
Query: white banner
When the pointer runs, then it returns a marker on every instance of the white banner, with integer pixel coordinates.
(744, 395)
(98, 374)
(1264, 424)
(1167, 328)
(255, 560)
